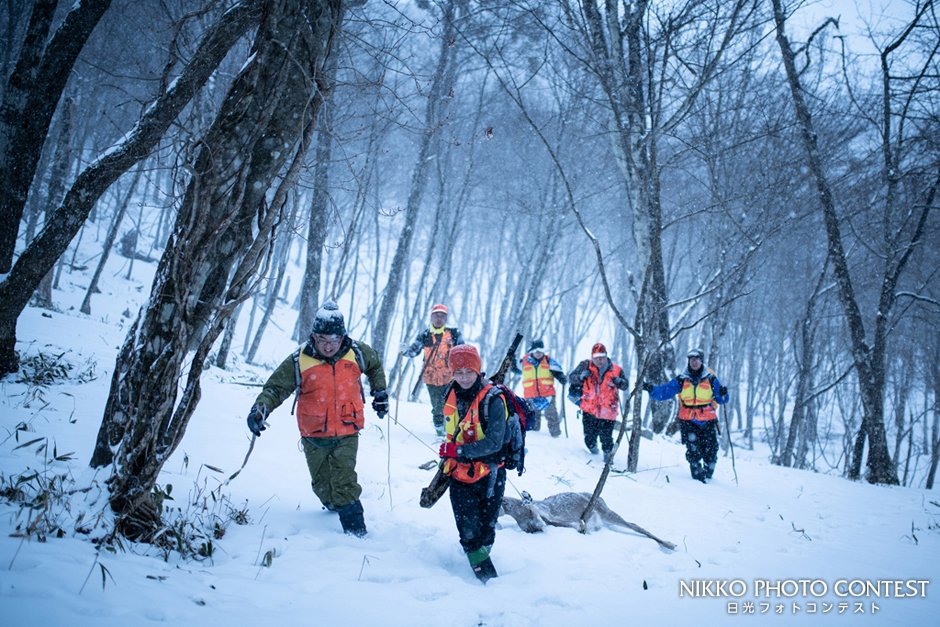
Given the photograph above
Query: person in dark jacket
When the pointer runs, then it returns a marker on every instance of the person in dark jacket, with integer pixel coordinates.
(700, 392)
(596, 383)
(436, 342)
(325, 376)
(475, 427)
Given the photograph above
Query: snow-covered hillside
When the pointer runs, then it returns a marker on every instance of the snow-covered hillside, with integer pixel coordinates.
(825, 545)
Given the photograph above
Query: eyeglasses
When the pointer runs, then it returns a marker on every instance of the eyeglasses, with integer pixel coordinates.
(327, 339)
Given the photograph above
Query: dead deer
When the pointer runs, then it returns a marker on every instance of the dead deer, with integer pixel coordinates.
(565, 510)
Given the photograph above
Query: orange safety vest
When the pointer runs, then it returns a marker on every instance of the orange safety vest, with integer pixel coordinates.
(537, 379)
(331, 398)
(597, 397)
(437, 371)
(697, 402)
(463, 431)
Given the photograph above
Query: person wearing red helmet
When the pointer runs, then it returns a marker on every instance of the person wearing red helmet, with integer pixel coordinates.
(598, 381)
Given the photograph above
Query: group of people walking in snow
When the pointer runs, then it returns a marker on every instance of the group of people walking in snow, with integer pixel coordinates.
(468, 413)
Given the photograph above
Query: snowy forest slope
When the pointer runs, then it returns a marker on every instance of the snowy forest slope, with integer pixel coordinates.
(290, 562)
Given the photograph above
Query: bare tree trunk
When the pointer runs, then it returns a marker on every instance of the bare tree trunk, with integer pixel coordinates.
(318, 222)
(225, 346)
(934, 450)
(40, 255)
(264, 125)
(56, 188)
(869, 360)
(435, 114)
(275, 280)
(119, 211)
(29, 102)
(934, 441)
(806, 358)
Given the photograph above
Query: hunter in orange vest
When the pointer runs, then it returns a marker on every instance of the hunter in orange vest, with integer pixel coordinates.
(539, 371)
(325, 377)
(598, 381)
(436, 342)
(472, 454)
(700, 392)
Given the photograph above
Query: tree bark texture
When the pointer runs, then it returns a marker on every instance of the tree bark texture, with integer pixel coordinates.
(29, 102)
(224, 229)
(119, 210)
(41, 254)
(317, 224)
(805, 377)
(869, 362)
(441, 87)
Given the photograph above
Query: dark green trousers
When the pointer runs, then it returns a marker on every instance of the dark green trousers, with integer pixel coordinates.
(332, 465)
(436, 392)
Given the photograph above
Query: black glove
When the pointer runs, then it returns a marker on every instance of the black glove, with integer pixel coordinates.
(561, 377)
(647, 386)
(256, 418)
(380, 403)
(722, 391)
(620, 382)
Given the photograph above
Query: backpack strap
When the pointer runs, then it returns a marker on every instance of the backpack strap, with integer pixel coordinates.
(297, 379)
(359, 358)
(485, 410)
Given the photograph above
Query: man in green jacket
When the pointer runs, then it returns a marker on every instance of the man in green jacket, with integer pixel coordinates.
(325, 377)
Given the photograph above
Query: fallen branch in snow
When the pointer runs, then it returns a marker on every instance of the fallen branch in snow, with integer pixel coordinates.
(564, 510)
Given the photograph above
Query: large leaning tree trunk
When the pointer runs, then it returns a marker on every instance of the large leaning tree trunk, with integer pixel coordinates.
(40, 255)
(224, 227)
(29, 102)
(869, 359)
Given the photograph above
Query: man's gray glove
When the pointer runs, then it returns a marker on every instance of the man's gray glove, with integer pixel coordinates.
(380, 403)
(256, 418)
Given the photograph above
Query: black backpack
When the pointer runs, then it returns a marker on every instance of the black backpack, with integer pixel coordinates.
(519, 416)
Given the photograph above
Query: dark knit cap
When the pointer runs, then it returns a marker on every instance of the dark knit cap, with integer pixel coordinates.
(537, 345)
(329, 321)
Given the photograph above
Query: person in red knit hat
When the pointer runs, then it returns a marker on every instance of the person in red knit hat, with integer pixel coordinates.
(598, 381)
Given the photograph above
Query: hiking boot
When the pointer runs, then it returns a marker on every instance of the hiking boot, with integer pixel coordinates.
(485, 570)
(593, 449)
(608, 457)
(352, 520)
(698, 473)
(439, 430)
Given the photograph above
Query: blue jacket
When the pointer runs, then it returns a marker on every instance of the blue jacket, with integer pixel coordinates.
(668, 390)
